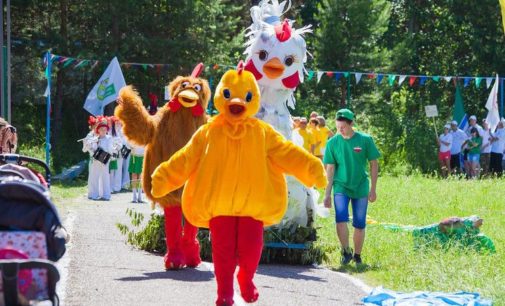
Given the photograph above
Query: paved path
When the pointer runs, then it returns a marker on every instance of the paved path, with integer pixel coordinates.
(100, 269)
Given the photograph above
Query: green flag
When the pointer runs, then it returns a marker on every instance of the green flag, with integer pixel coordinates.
(458, 113)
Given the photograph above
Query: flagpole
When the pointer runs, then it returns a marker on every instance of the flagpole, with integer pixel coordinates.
(48, 108)
(501, 98)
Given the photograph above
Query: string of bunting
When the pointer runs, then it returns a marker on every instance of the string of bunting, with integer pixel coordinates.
(398, 79)
(391, 79)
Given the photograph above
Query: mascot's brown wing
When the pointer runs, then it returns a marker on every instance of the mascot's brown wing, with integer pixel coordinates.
(138, 125)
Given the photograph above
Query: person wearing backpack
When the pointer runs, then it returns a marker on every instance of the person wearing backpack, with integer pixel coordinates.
(8, 137)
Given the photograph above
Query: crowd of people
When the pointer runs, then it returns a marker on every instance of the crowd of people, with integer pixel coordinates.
(111, 160)
(314, 133)
(475, 152)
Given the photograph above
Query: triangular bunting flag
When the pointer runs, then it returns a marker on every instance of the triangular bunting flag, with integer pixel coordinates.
(412, 80)
(489, 81)
(358, 77)
(477, 82)
(68, 62)
(379, 78)
(447, 79)
(329, 74)
(310, 75)
(371, 75)
(391, 79)
(95, 64)
(338, 75)
(47, 92)
(401, 79)
(346, 74)
(319, 75)
(422, 80)
(466, 82)
(436, 79)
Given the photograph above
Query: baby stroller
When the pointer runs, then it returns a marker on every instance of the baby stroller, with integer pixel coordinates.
(32, 237)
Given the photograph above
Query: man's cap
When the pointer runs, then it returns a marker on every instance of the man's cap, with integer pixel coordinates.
(454, 122)
(345, 113)
(447, 126)
(472, 117)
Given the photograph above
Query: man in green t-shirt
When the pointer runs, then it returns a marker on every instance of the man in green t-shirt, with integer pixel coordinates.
(346, 158)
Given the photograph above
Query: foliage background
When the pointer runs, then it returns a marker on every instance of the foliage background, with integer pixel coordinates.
(388, 36)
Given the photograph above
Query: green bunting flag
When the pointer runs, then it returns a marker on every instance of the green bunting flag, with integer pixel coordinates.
(436, 79)
(391, 79)
(477, 81)
(68, 62)
(310, 76)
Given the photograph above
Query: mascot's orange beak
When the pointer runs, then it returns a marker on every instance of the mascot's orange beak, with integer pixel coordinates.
(273, 68)
(188, 97)
(236, 106)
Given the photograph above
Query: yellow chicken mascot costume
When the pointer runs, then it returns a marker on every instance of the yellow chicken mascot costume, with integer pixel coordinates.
(233, 170)
(164, 134)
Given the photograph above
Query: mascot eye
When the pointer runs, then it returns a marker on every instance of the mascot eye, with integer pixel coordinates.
(226, 93)
(197, 87)
(248, 97)
(184, 84)
(289, 60)
(263, 55)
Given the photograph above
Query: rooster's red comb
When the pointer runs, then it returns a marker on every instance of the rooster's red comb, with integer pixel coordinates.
(197, 71)
(240, 67)
(283, 31)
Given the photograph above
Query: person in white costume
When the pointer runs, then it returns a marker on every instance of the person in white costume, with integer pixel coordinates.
(276, 53)
(98, 179)
(125, 155)
(116, 171)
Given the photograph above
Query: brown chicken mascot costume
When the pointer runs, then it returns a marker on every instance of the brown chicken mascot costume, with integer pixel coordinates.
(163, 135)
(233, 171)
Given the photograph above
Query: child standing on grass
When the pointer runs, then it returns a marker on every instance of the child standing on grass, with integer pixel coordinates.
(474, 145)
(135, 168)
(346, 158)
(444, 153)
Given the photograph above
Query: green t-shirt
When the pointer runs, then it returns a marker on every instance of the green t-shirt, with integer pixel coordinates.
(476, 149)
(350, 157)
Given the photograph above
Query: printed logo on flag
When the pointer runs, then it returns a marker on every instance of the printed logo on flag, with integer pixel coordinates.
(105, 90)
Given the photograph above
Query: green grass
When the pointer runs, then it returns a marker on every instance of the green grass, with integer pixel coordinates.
(391, 259)
(64, 193)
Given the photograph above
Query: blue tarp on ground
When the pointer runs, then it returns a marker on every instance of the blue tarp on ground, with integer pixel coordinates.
(384, 297)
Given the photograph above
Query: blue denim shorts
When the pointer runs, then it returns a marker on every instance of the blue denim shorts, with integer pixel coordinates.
(359, 207)
(474, 157)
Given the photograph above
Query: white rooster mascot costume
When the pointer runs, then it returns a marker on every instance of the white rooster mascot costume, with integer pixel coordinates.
(276, 53)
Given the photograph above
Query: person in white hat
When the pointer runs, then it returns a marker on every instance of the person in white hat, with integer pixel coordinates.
(497, 147)
(458, 138)
(444, 154)
(472, 123)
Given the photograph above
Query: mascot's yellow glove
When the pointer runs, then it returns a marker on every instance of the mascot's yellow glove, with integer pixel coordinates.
(160, 181)
(173, 174)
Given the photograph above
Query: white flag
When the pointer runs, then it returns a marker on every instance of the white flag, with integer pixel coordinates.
(493, 116)
(106, 89)
(447, 79)
(402, 79)
(319, 75)
(358, 77)
(488, 82)
(47, 92)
